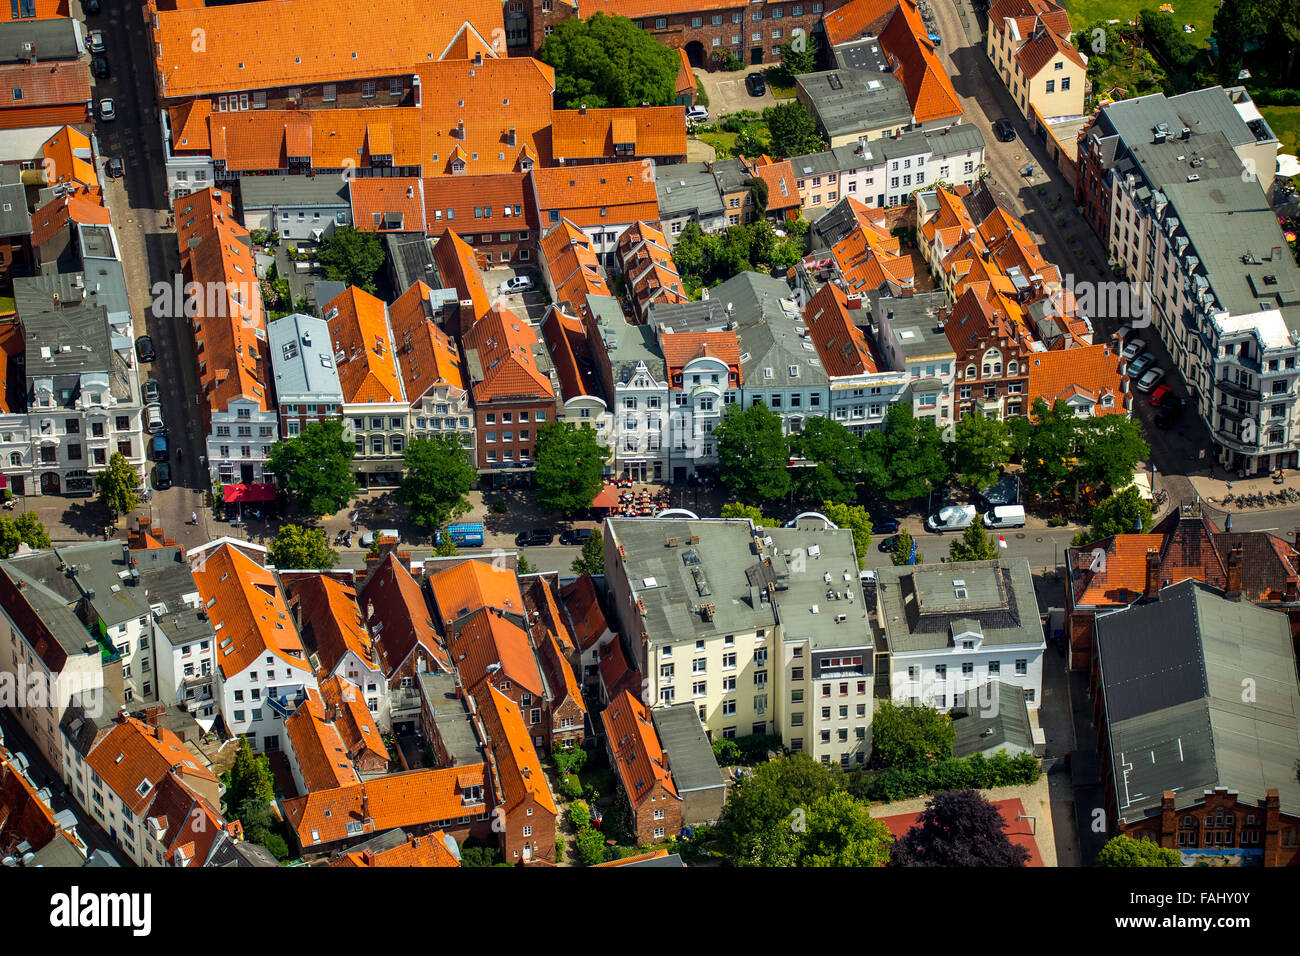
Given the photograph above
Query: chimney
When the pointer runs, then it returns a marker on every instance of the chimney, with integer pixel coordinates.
(1233, 590)
(1153, 574)
(582, 110)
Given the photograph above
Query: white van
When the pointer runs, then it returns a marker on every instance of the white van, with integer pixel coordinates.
(155, 419)
(368, 538)
(951, 518)
(1005, 516)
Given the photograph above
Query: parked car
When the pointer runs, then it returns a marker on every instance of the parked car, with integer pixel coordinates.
(1005, 516)
(95, 40)
(150, 391)
(159, 447)
(1170, 412)
(368, 538)
(107, 111)
(90, 6)
(1150, 380)
(154, 418)
(951, 518)
(1140, 364)
(1160, 394)
(886, 526)
(115, 167)
(1133, 349)
(535, 538)
(516, 284)
(466, 535)
(144, 348)
(1005, 491)
(99, 67)
(697, 114)
(162, 475)
(1004, 130)
(887, 544)
(1123, 332)
(575, 536)
(756, 85)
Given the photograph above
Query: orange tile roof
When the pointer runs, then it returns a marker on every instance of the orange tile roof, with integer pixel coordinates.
(322, 758)
(951, 220)
(13, 378)
(190, 825)
(353, 720)
(564, 683)
(259, 139)
(504, 344)
(637, 751)
(384, 204)
(1043, 47)
(680, 348)
(1026, 13)
(582, 603)
(430, 358)
(300, 42)
(52, 218)
(544, 609)
(393, 605)
(484, 640)
(782, 192)
(982, 313)
(929, 90)
(491, 98)
(592, 134)
(407, 799)
(359, 327)
(50, 84)
(856, 19)
(841, 345)
(517, 763)
(573, 266)
(68, 158)
(571, 355)
(50, 10)
(471, 585)
(615, 672)
(580, 193)
(430, 850)
(491, 203)
(23, 816)
(189, 126)
(248, 612)
(216, 253)
(133, 754)
(458, 269)
(328, 609)
(869, 257)
(686, 76)
(1095, 370)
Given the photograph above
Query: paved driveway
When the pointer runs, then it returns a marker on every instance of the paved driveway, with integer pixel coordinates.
(727, 94)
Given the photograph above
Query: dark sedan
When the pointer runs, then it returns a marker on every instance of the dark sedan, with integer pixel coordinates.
(99, 67)
(144, 348)
(162, 475)
(756, 85)
(575, 536)
(535, 538)
(1004, 130)
(887, 544)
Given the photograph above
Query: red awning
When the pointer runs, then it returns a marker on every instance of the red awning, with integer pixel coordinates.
(607, 498)
(243, 494)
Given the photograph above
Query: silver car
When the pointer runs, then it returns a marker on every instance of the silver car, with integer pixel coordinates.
(1140, 364)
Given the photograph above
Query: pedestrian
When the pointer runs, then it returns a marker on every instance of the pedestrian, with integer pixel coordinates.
(194, 517)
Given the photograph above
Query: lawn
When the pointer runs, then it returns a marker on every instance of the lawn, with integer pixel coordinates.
(1285, 123)
(1199, 13)
(6, 304)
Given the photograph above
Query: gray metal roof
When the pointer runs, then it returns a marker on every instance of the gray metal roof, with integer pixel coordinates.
(14, 218)
(848, 100)
(1199, 692)
(268, 192)
(829, 614)
(688, 189)
(677, 584)
(924, 605)
(629, 346)
(58, 39)
(61, 341)
(996, 716)
(50, 605)
(302, 360)
(687, 748)
(863, 54)
(450, 717)
(411, 257)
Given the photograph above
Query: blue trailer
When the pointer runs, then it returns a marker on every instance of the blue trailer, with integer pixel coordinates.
(463, 535)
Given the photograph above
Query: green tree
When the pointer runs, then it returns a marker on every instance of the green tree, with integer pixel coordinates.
(907, 458)
(758, 820)
(753, 454)
(297, 548)
(758, 190)
(1236, 23)
(903, 735)
(799, 56)
(1125, 851)
(316, 467)
(1110, 448)
(569, 464)
(591, 843)
(446, 548)
(524, 566)
(118, 485)
(901, 550)
(734, 509)
(31, 530)
(591, 560)
(1049, 449)
(248, 779)
(837, 456)
(438, 475)
(840, 832)
(604, 61)
(10, 539)
(981, 447)
(1117, 514)
(351, 257)
(856, 519)
(688, 254)
(793, 130)
(974, 544)
(958, 828)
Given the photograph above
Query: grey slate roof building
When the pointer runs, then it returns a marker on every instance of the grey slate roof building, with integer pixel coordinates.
(1172, 676)
(691, 762)
(689, 191)
(850, 102)
(302, 361)
(995, 719)
(14, 218)
(54, 39)
(451, 721)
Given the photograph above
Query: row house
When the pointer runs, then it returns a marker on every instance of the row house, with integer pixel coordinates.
(263, 673)
(649, 272)
(1029, 46)
(705, 32)
(29, 824)
(689, 193)
(634, 750)
(326, 749)
(493, 214)
(869, 259)
(581, 399)
(16, 255)
(557, 653)
(571, 269)
(513, 390)
(229, 328)
(855, 105)
(44, 94)
(432, 367)
(1092, 380)
(602, 201)
(307, 388)
(299, 208)
(736, 185)
(396, 849)
(376, 412)
(994, 352)
(910, 336)
(704, 377)
(649, 134)
(457, 268)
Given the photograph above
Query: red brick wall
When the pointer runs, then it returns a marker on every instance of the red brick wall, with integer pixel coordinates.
(1278, 834)
(541, 839)
(643, 816)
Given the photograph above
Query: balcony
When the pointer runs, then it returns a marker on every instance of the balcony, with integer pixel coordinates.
(284, 705)
(1232, 412)
(1236, 389)
(1243, 361)
(406, 701)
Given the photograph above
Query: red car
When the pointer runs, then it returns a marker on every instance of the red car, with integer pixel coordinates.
(1160, 394)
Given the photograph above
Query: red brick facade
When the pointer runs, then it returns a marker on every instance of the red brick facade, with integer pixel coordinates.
(1222, 821)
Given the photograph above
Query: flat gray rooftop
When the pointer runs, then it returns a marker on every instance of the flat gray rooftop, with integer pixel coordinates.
(450, 717)
(690, 755)
(848, 100)
(819, 596)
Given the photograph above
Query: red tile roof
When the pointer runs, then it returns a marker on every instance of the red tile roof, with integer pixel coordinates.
(52, 84)
(1026, 13)
(471, 585)
(638, 754)
(929, 91)
(459, 270)
(856, 19)
(841, 345)
(318, 748)
(1019, 827)
(328, 610)
(430, 358)
(486, 647)
(358, 323)
(1043, 47)
(394, 607)
(615, 672)
(782, 192)
(592, 134)
(681, 348)
(346, 706)
(190, 825)
(189, 126)
(504, 343)
(383, 204)
(582, 602)
(430, 850)
(517, 765)
(52, 218)
(571, 355)
(475, 204)
(133, 758)
(573, 266)
(625, 192)
(1094, 371)
(23, 817)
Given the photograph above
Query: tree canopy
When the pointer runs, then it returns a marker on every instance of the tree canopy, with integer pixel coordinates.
(25, 529)
(753, 454)
(974, 544)
(903, 735)
(1049, 447)
(351, 257)
(901, 550)
(1110, 447)
(1117, 514)
(118, 485)
(591, 559)
(840, 832)
(981, 447)
(958, 828)
(706, 259)
(1124, 850)
(298, 548)
(1063, 450)
(734, 509)
(438, 475)
(793, 130)
(316, 467)
(907, 458)
(569, 465)
(604, 61)
(759, 824)
(837, 456)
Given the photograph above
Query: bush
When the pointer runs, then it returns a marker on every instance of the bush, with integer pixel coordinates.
(591, 847)
(569, 761)
(570, 786)
(278, 847)
(973, 773)
(580, 816)
(701, 95)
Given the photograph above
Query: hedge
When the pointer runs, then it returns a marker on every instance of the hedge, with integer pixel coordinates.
(977, 773)
(1276, 97)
